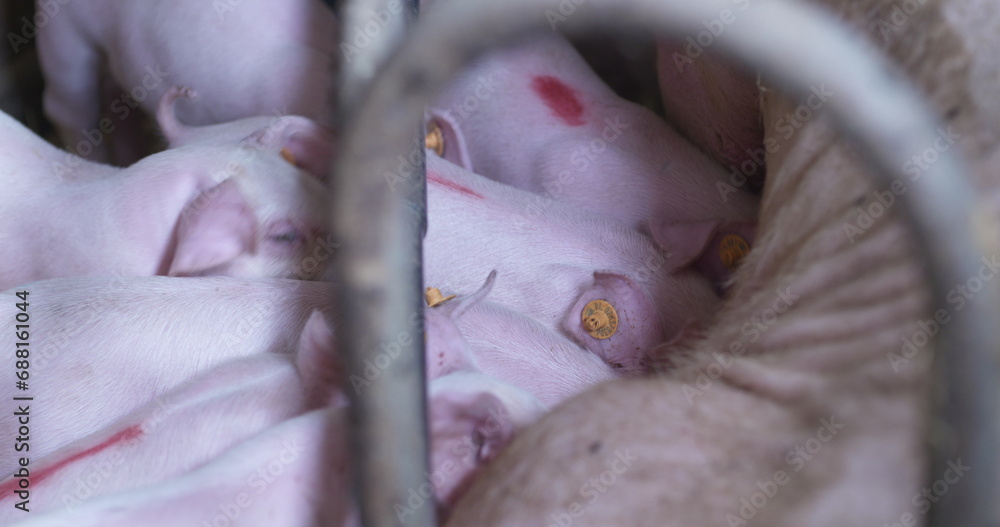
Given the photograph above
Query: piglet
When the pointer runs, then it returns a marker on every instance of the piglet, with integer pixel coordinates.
(472, 418)
(298, 471)
(509, 346)
(182, 429)
(235, 209)
(519, 350)
(535, 116)
(604, 285)
(102, 347)
(247, 58)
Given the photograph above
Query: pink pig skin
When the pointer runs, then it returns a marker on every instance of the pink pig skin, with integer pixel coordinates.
(447, 349)
(546, 254)
(236, 209)
(472, 418)
(255, 58)
(468, 333)
(102, 347)
(536, 117)
(290, 473)
(699, 244)
(185, 428)
(310, 145)
(521, 351)
(273, 478)
(715, 104)
(625, 350)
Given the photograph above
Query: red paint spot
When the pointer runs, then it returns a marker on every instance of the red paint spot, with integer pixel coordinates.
(434, 178)
(561, 99)
(130, 433)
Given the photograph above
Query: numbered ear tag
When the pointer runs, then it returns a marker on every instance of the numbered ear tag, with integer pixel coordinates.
(435, 139)
(600, 319)
(433, 297)
(732, 249)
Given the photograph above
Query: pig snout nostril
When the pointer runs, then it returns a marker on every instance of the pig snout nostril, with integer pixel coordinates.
(600, 319)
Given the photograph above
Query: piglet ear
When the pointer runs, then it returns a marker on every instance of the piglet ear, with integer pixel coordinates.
(317, 363)
(615, 319)
(452, 140)
(214, 229)
(302, 142)
(454, 309)
(447, 350)
(714, 247)
(683, 242)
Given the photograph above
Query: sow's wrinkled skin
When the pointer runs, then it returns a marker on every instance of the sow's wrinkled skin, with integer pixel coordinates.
(256, 57)
(552, 260)
(235, 209)
(280, 472)
(804, 405)
(537, 117)
(102, 347)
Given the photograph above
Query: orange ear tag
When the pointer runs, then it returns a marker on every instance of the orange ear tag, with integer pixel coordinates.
(435, 139)
(287, 155)
(433, 297)
(600, 319)
(732, 249)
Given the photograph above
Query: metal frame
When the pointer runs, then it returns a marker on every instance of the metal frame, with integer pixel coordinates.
(797, 50)
(379, 276)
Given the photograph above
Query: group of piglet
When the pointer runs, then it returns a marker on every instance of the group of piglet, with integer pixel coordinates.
(183, 359)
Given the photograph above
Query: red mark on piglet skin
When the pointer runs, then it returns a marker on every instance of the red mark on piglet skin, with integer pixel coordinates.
(35, 477)
(434, 178)
(561, 99)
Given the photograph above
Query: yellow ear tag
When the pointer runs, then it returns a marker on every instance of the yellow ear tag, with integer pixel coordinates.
(732, 249)
(287, 155)
(433, 297)
(600, 319)
(435, 139)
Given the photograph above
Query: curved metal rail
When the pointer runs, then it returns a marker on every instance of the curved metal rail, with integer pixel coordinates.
(379, 275)
(790, 44)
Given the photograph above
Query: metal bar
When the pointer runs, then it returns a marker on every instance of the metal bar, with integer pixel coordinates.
(372, 30)
(798, 48)
(378, 274)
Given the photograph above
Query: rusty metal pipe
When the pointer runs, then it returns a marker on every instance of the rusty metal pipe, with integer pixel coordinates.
(795, 48)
